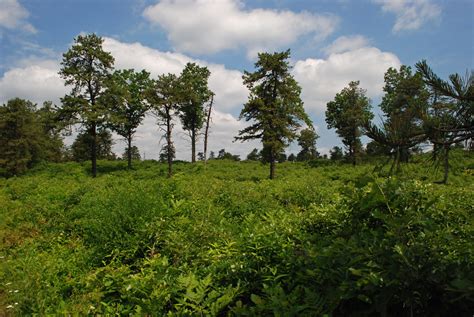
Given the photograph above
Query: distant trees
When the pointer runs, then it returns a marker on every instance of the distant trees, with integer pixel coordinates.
(82, 146)
(274, 105)
(27, 136)
(133, 153)
(223, 155)
(125, 102)
(86, 67)
(336, 153)
(347, 113)
(194, 94)
(253, 155)
(307, 142)
(291, 158)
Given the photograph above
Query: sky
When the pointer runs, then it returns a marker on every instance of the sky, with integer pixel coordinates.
(332, 42)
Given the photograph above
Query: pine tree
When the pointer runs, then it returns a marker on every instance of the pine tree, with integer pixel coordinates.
(274, 105)
(86, 67)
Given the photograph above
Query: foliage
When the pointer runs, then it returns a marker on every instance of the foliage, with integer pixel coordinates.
(224, 240)
(274, 106)
(125, 100)
(291, 157)
(336, 153)
(348, 112)
(404, 104)
(253, 155)
(27, 136)
(450, 118)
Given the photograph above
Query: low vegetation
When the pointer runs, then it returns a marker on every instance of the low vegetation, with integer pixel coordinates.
(222, 239)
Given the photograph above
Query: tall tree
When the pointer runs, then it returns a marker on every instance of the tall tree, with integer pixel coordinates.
(194, 94)
(274, 105)
(307, 142)
(125, 99)
(86, 67)
(450, 119)
(164, 97)
(348, 112)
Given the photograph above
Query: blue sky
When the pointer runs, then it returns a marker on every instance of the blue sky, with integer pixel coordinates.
(332, 43)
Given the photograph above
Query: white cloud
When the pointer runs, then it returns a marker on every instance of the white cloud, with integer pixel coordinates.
(346, 43)
(210, 26)
(410, 14)
(35, 80)
(13, 16)
(321, 79)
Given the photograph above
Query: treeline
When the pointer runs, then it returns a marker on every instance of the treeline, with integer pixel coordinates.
(418, 108)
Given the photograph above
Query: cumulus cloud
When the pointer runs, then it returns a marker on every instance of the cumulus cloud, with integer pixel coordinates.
(410, 14)
(35, 80)
(346, 43)
(13, 16)
(210, 26)
(321, 79)
(226, 83)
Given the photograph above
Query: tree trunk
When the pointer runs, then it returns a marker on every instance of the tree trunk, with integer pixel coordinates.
(193, 145)
(129, 151)
(396, 156)
(168, 141)
(272, 164)
(94, 149)
(353, 154)
(206, 134)
(446, 163)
